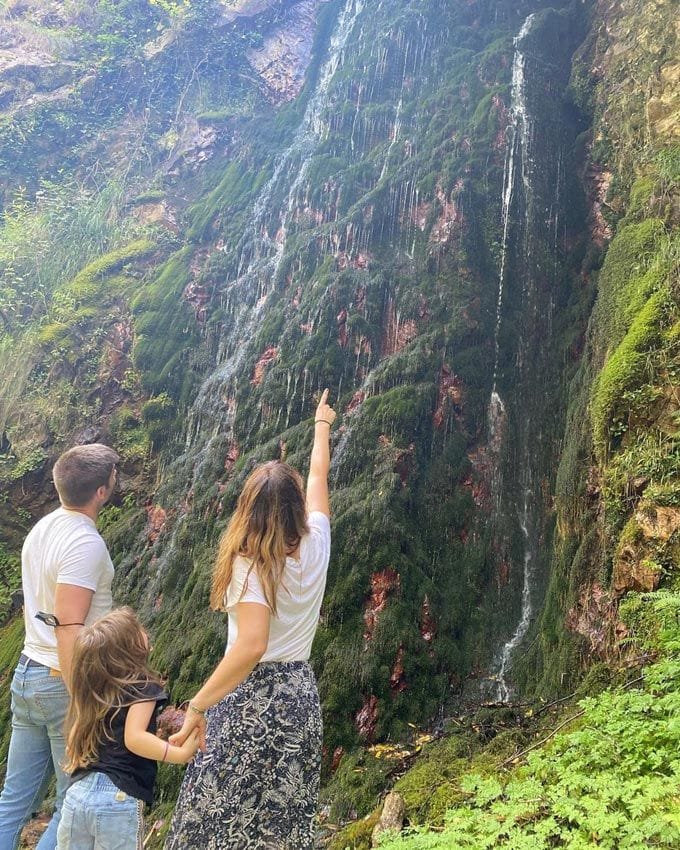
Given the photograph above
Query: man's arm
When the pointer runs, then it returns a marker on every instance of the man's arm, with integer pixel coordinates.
(71, 605)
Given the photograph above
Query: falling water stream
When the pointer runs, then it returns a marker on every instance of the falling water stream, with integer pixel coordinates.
(517, 148)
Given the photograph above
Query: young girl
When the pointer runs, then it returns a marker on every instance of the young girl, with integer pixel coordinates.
(111, 748)
(256, 785)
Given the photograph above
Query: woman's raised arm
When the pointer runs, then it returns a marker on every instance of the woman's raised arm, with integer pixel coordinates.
(317, 481)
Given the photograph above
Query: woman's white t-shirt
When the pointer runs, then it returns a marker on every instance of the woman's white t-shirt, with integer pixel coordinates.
(298, 601)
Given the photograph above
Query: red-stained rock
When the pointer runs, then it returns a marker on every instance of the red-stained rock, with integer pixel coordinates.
(338, 753)
(658, 523)
(594, 618)
(156, 517)
(268, 356)
(397, 681)
(383, 584)
(404, 463)
(478, 481)
(197, 296)
(346, 260)
(502, 573)
(471, 313)
(398, 332)
(634, 572)
(116, 355)
(451, 391)
(341, 320)
(233, 455)
(367, 718)
(355, 402)
(282, 59)
(597, 182)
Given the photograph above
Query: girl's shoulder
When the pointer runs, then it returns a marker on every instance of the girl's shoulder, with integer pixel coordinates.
(145, 690)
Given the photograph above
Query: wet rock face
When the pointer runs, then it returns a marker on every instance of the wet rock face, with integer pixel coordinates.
(367, 718)
(268, 356)
(593, 617)
(383, 585)
(284, 57)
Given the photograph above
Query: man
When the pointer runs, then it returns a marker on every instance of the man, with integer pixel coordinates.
(66, 571)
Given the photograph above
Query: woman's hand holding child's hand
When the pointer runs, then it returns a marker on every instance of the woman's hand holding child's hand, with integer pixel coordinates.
(190, 747)
(192, 722)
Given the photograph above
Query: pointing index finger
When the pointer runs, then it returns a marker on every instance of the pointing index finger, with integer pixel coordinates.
(324, 396)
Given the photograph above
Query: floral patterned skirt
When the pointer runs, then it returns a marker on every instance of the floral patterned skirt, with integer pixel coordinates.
(256, 786)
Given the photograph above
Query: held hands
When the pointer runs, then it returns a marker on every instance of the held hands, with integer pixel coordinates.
(193, 724)
(324, 412)
(189, 748)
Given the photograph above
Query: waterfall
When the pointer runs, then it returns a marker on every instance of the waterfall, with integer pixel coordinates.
(503, 689)
(395, 137)
(518, 149)
(259, 255)
(519, 138)
(254, 263)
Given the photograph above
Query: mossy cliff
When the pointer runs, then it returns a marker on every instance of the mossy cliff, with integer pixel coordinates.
(212, 210)
(617, 496)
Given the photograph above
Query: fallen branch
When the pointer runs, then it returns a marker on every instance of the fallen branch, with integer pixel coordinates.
(543, 740)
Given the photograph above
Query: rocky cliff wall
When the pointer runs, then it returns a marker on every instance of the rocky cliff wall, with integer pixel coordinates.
(213, 211)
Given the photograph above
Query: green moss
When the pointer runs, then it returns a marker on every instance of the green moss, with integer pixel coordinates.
(630, 255)
(87, 283)
(31, 460)
(54, 334)
(11, 642)
(623, 371)
(165, 330)
(355, 836)
(356, 784)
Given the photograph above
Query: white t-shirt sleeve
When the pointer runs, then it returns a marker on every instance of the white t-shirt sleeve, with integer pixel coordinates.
(318, 542)
(243, 575)
(84, 563)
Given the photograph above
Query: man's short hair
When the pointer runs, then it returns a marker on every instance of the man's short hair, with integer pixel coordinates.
(81, 471)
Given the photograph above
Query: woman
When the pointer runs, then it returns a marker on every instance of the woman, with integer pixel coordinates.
(255, 785)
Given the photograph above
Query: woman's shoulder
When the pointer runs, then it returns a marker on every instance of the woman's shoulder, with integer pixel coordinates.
(319, 522)
(315, 547)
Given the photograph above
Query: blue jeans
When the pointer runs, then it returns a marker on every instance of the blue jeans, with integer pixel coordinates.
(36, 750)
(98, 816)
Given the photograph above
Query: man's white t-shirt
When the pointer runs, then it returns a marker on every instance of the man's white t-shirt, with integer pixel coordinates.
(298, 601)
(63, 547)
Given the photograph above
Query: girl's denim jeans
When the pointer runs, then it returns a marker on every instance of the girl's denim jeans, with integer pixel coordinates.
(96, 815)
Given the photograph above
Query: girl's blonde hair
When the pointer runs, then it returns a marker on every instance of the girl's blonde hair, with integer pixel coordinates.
(109, 657)
(269, 521)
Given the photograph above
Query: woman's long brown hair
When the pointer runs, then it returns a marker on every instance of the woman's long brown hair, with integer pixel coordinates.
(269, 521)
(109, 657)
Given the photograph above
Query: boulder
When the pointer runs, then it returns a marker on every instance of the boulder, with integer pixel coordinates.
(392, 817)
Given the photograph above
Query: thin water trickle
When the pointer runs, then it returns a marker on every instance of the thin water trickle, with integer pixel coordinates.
(518, 140)
(518, 146)
(504, 690)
